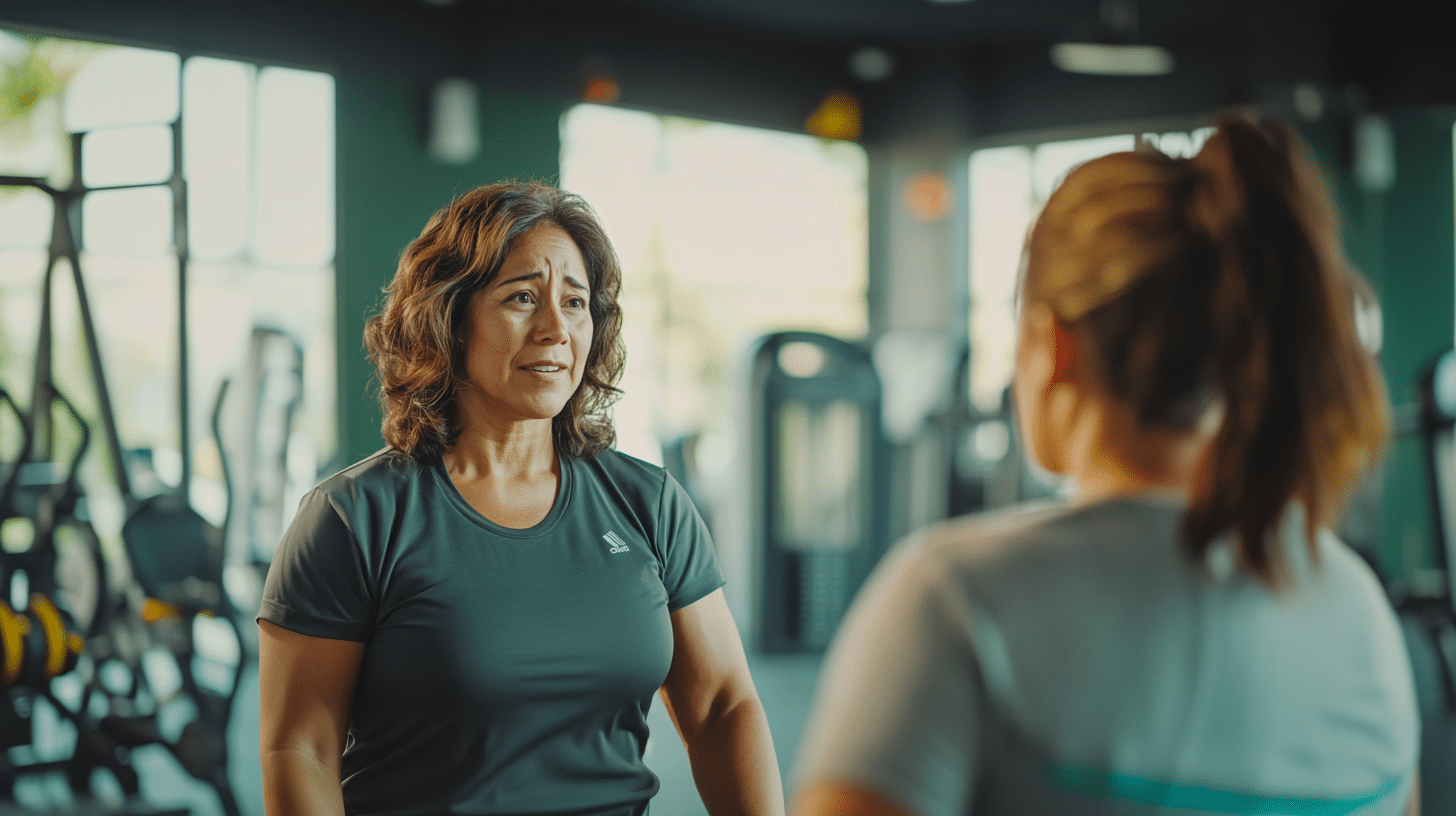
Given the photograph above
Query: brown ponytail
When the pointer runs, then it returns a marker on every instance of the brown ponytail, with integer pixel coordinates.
(1304, 406)
(1212, 285)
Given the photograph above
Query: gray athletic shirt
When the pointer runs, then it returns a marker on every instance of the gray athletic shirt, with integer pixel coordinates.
(1071, 660)
(506, 671)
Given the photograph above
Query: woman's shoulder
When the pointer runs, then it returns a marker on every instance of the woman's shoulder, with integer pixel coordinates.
(966, 551)
(385, 470)
(1051, 543)
(623, 470)
(988, 535)
(1341, 573)
(648, 492)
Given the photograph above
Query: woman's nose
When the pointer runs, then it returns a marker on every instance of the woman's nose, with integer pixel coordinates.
(550, 327)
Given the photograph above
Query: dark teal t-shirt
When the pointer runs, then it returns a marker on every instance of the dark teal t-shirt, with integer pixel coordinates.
(506, 671)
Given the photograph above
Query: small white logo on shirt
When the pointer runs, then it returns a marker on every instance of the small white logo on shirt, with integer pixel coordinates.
(618, 545)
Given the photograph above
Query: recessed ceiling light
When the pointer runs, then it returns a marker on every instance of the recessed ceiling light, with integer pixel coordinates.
(1112, 59)
(871, 64)
(1114, 50)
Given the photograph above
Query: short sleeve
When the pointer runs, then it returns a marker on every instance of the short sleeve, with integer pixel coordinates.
(317, 584)
(898, 706)
(689, 565)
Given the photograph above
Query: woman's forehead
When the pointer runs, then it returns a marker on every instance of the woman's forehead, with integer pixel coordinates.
(536, 243)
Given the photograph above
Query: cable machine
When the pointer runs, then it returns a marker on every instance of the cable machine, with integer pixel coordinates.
(820, 483)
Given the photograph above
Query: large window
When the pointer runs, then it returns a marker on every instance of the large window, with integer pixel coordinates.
(252, 246)
(1008, 187)
(726, 233)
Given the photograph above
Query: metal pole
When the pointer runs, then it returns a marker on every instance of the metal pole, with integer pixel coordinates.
(178, 185)
(66, 205)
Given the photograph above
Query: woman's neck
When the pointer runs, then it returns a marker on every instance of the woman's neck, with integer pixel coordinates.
(509, 475)
(514, 450)
(1109, 455)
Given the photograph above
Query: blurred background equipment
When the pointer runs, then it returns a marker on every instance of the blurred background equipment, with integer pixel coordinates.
(175, 557)
(1428, 598)
(37, 644)
(253, 425)
(1438, 431)
(820, 479)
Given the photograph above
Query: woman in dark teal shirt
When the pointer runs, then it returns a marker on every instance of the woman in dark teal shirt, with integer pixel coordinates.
(474, 620)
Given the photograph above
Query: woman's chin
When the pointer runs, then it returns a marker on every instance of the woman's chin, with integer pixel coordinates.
(542, 410)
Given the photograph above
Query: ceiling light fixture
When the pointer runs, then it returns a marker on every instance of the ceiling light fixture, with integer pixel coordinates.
(871, 64)
(839, 116)
(453, 135)
(1113, 50)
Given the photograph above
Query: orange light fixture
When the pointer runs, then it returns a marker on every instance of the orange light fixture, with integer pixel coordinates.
(927, 197)
(601, 89)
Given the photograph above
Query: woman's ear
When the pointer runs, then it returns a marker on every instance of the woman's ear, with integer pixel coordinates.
(1046, 348)
(1046, 387)
(1031, 385)
(1064, 348)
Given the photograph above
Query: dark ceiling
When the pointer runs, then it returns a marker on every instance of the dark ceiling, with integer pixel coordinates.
(921, 23)
(970, 71)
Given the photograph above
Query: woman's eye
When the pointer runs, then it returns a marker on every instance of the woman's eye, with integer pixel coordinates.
(576, 303)
(521, 297)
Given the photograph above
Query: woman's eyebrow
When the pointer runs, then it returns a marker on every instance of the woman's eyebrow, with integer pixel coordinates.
(516, 279)
(537, 275)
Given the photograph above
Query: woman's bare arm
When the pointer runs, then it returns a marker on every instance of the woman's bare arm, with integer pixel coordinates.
(305, 691)
(1413, 804)
(828, 798)
(711, 699)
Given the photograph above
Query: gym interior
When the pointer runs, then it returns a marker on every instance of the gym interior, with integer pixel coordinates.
(819, 207)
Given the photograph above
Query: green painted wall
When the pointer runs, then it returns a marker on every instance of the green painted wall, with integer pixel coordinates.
(1404, 240)
(387, 189)
(1415, 226)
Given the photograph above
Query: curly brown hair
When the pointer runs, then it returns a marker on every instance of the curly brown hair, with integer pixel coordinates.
(417, 340)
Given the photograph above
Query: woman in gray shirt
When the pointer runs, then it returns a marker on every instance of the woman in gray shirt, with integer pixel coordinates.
(1184, 635)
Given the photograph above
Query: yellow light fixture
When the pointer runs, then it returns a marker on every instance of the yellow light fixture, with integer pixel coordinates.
(839, 116)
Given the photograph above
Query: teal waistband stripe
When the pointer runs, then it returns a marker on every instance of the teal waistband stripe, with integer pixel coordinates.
(1197, 797)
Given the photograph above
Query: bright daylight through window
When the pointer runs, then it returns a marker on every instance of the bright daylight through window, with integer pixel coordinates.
(1008, 186)
(255, 242)
(726, 233)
